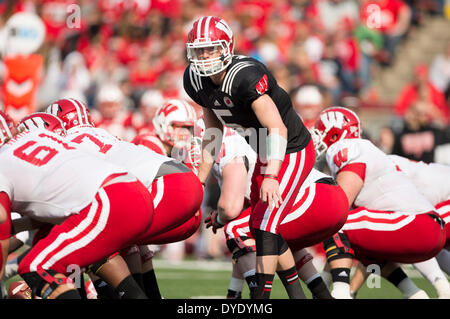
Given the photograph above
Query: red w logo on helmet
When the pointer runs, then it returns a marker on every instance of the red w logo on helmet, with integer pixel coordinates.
(262, 85)
(168, 109)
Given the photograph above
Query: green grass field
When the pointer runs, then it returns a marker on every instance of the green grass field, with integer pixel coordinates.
(179, 283)
(203, 279)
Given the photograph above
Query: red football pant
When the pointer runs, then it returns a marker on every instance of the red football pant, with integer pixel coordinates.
(318, 213)
(376, 236)
(182, 232)
(177, 199)
(443, 210)
(294, 170)
(118, 215)
(311, 221)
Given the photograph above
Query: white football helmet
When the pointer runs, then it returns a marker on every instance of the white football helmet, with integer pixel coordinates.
(174, 123)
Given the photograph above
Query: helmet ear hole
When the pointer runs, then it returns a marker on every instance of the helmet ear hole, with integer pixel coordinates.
(334, 138)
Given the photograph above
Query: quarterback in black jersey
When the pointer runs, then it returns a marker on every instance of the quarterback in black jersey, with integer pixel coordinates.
(240, 92)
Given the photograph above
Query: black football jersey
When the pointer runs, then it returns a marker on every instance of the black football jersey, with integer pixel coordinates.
(246, 80)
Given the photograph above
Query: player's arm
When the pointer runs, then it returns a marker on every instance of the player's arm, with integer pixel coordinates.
(234, 187)
(211, 143)
(5, 229)
(351, 183)
(269, 117)
(232, 194)
(25, 223)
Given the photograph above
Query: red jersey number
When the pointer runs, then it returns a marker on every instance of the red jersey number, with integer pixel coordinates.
(39, 156)
(103, 148)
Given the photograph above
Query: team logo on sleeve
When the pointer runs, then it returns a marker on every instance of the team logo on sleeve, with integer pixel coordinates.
(263, 85)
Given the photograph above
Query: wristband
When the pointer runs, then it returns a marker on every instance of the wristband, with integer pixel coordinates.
(272, 176)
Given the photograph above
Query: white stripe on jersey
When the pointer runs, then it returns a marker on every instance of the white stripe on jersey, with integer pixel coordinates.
(196, 81)
(229, 78)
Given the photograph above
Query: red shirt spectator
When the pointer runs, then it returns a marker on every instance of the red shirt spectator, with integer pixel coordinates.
(382, 15)
(422, 89)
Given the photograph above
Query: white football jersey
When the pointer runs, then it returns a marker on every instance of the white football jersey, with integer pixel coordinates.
(136, 159)
(234, 145)
(433, 180)
(385, 188)
(49, 178)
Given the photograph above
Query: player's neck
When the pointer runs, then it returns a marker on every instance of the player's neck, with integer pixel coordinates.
(217, 79)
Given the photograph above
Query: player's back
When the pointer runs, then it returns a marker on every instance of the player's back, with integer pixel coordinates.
(433, 179)
(385, 188)
(47, 177)
(138, 160)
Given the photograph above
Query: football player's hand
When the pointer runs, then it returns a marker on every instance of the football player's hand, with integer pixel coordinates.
(211, 221)
(270, 193)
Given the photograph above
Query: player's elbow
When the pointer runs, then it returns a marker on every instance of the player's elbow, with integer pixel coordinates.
(231, 208)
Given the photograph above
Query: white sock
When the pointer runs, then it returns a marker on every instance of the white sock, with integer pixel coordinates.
(341, 290)
(236, 284)
(431, 271)
(443, 259)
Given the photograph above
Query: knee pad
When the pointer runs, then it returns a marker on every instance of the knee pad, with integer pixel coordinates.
(36, 280)
(337, 247)
(267, 243)
(238, 248)
(282, 245)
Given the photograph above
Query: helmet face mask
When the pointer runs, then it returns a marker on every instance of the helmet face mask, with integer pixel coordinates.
(174, 123)
(209, 46)
(180, 135)
(219, 59)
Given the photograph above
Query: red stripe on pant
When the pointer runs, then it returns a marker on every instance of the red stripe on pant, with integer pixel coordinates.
(129, 215)
(263, 219)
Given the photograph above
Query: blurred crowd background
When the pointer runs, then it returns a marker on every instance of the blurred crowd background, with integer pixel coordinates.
(124, 57)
